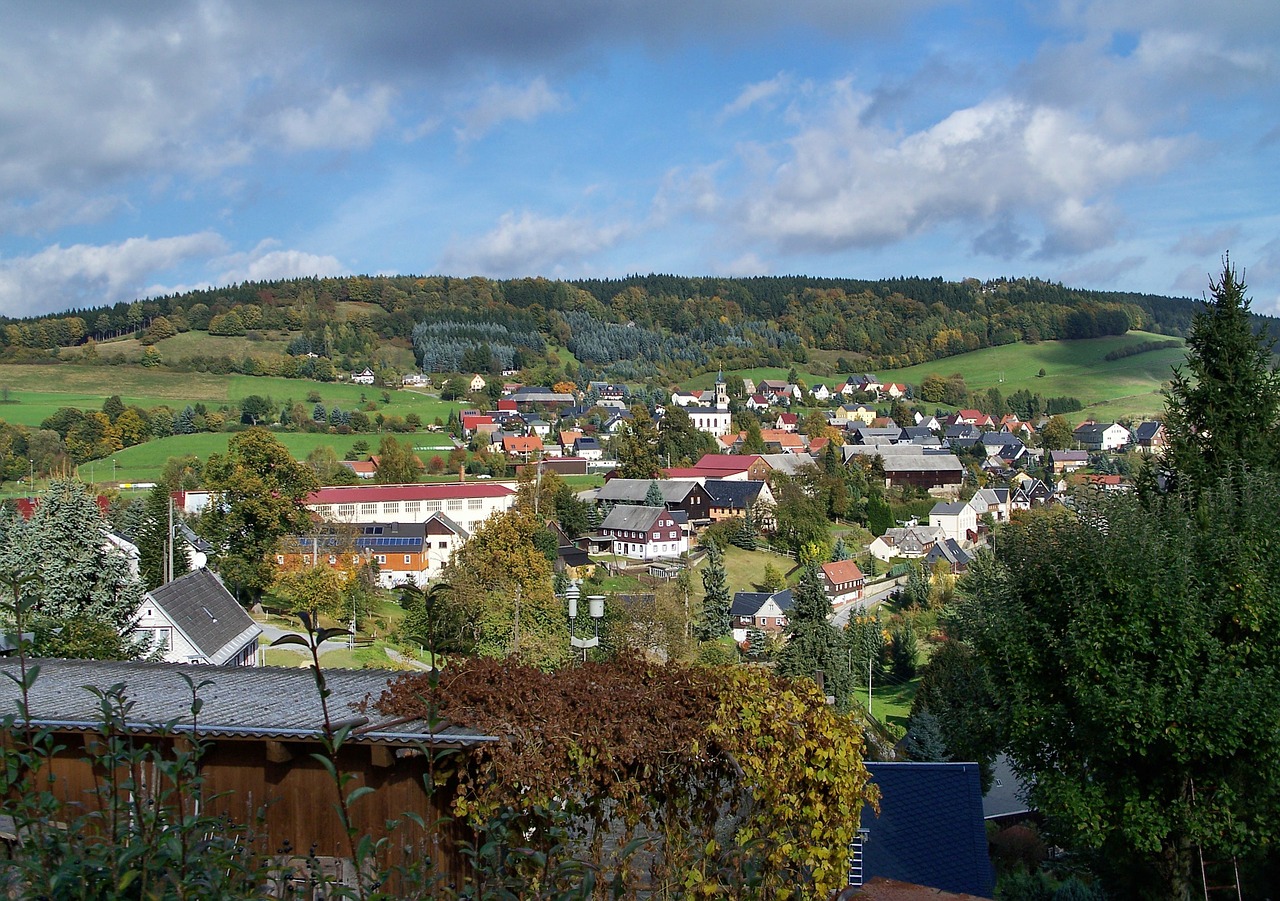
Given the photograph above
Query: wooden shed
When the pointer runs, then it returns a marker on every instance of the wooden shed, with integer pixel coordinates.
(258, 727)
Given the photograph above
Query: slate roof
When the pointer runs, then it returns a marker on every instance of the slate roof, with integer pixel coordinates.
(950, 551)
(204, 611)
(733, 493)
(636, 490)
(633, 518)
(748, 603)
(239, 701)
(930, 828)
(1145, 431)
(944, 509)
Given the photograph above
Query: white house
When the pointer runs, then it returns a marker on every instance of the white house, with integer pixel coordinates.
(477, 382)
(645, 533)
(194, 619)
(363, 377)
(466, 503)
(956, 520)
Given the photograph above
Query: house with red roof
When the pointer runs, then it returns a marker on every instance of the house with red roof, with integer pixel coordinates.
(843, 582)
(466, 503)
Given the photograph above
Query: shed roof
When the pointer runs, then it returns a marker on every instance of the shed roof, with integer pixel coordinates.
(238, 702)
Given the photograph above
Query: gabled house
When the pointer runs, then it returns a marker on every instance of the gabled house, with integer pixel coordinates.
(522, 447)
(477, 382)
(1102, 436)
(763, 610)
(1150, 437)
(1065, 461)
(363, 377)
(929, 422)
(686, 496)
(950, 553)
(909, 542)
(894, 390)
(787, 422)
(194, 619)
(821, 392)
(843, 582)
(645, 533)
(743, 467)
(956, 520)
(1029, 493)
(731, 498)
(991, 501)
(405, 552)
(757, 403)
(588, 448)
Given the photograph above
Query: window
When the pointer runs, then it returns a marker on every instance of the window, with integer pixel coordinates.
(346, 509)
(455, 503)
(368, 509)
(333, 560)
(306, 558)
(433, 506)
(279, 559)
(164, 638)
(444, 545)
(407, 560)
(412, 506)
(474, 503)
(391, 507)
(381, 558)
(324, 509)
(673, 535)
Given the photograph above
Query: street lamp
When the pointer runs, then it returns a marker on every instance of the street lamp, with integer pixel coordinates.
(595, 607)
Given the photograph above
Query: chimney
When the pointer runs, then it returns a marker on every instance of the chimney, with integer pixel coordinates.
(462, 472)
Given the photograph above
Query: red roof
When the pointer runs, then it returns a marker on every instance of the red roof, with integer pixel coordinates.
(27, 505)
(507, 405)
(726, 462)
(684, 472)
(521, 444)
(842, 571)
(368, 494)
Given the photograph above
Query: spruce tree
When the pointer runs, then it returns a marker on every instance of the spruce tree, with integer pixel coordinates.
(814, 643)
(653, 497)
(924, 741)
(1223, 411)
(717, 602)
(153, 538)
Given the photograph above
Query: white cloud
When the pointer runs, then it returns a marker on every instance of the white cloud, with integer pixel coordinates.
(499, 103)
(340, 121)
(82, 275)
(843, 183)
(267, 263)
(1202, 243)
(528, 244)
(755, 94)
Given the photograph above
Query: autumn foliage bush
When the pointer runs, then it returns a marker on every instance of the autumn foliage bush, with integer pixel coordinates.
(673, 781)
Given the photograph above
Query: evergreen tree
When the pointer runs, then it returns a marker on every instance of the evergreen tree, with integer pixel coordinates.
(753, 443)
(80, 578)
(840, 551)
(153, 541)
(1224, 410)
(653, 497)
(923, 740)
(813, 643)
(717, 602)
(879, 515)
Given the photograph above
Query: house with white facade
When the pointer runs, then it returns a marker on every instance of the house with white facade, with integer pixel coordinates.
(645, 533)
(194, 619)
(466, 503)
(956, 520)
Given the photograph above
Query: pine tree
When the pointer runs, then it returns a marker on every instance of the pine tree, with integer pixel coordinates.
(813, 643)
(653, 497)
(840, 551)
(717, 603)
(924, 741)
(1224, 410)
(153, 538)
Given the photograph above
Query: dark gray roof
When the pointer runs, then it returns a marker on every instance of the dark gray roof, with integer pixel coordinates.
(733, 493)
(1008, 794)
(930, 828)
(748, 603)
(633, 518)
(1145, 431)
(637, 490)
(950, 551)
(202, 609)
(238, 701)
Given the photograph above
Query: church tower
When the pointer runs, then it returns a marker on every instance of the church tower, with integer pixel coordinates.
(722, 391)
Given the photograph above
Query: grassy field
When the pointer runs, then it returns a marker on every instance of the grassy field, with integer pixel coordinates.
(30, 393)
(1110, 389)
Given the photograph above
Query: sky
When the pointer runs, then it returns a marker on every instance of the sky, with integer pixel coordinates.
(148, 148)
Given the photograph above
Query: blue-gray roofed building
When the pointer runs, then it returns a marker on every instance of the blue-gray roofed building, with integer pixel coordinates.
(930, 827)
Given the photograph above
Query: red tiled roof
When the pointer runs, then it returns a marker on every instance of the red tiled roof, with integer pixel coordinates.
(726, 462)
(842, 571)
(368, 494)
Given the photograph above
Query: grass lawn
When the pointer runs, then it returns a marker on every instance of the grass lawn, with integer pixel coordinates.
(144, 462)
(890, 703)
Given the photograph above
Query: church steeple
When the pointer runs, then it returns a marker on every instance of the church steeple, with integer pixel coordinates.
(722, 391)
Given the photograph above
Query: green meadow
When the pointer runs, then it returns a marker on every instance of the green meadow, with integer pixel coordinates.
(1110, 389)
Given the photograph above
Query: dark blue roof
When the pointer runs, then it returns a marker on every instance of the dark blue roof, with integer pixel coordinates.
(748, 603)
(930, 828)
(732, 492)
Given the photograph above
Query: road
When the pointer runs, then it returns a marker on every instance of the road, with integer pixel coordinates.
(840, 618)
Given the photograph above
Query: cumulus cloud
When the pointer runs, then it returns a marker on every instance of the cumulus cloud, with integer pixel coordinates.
(528, 244)
(268, 262)
(60, 278)
(843, 183)
(339, 121)
(499, 103)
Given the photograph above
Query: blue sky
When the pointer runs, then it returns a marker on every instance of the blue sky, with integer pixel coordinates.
(147, 148)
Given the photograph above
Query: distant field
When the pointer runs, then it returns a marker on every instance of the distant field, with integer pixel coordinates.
(36, 391)
(1128, 387)
(1109, 389)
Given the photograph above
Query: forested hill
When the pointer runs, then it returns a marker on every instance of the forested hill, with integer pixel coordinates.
(630, 328)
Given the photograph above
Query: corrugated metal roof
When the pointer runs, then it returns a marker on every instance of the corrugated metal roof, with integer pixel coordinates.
(241, 702)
